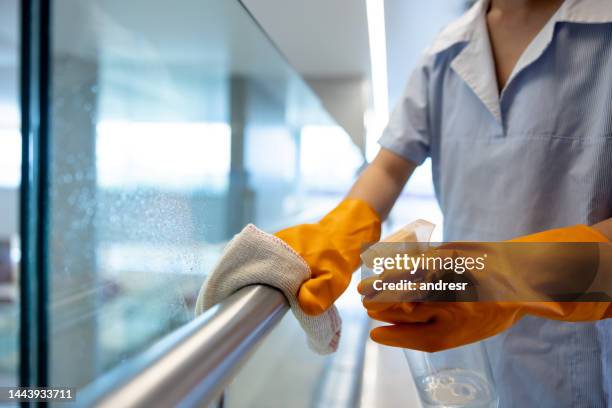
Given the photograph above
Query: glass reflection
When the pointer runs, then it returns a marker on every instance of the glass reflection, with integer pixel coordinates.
(174, 125)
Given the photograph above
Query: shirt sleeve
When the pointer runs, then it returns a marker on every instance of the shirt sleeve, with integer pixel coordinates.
(408, 133)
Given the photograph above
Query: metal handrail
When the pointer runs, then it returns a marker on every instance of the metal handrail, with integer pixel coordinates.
(193, 365)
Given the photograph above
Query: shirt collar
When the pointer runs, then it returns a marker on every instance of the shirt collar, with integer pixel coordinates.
(474, 64)
(575, 11)
(459, 30)
(586, 11)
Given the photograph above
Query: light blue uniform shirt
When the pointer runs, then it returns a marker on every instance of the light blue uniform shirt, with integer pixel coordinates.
(536, 157)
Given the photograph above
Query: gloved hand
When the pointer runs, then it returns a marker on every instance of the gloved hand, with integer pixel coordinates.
(434, 326)
(331, 248)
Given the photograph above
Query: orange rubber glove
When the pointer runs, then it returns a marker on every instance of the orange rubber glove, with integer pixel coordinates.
(331, 248)
(434, 326)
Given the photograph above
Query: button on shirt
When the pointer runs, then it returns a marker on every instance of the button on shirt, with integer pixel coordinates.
(534, 157)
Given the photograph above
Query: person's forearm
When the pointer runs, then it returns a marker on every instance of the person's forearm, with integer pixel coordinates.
(605, 227)
(382, 181)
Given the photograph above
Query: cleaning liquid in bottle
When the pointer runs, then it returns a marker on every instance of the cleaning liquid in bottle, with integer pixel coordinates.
(459, 377)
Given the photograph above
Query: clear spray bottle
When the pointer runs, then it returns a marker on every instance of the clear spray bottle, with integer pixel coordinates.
(459, 377)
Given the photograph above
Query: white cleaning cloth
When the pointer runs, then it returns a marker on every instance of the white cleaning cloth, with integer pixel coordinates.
(256, 257)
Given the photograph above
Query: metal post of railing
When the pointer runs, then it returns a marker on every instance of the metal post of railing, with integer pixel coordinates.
(192, 366)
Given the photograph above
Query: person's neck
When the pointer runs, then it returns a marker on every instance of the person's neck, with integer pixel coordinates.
(504, 6)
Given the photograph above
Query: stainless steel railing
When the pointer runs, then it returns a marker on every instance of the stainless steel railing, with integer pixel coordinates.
(193, 365)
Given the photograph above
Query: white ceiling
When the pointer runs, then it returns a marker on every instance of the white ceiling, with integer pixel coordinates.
(326, 41)
(329, 38)
(321, 38)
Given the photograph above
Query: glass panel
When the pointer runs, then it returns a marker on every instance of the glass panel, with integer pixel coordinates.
(173, 125)
(10, 174)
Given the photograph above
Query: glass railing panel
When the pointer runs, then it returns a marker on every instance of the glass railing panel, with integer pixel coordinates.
(173, 125)
(10, 175)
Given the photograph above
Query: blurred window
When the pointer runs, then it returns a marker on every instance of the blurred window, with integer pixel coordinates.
(167, 156)
(329, 160)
